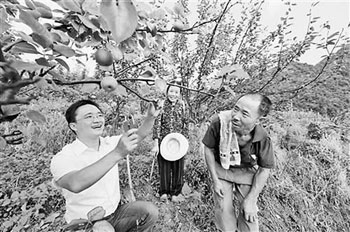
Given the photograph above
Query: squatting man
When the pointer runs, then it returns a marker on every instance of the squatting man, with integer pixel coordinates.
(239, 157)
(86, 170)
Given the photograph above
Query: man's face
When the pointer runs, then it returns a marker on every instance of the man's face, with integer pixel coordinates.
(245, 114)
(89, 121)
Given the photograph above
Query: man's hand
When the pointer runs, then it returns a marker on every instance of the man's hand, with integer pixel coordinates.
(127, 143)
(153, 109)
(155, 148)
(250, 209)
(218, 188)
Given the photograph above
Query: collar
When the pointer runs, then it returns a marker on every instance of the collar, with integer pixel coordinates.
(259, 133)
(79, 147)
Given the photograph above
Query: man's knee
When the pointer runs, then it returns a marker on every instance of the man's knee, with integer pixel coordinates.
(152, 211)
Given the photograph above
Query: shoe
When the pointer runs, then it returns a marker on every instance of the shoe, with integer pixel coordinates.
(163, 197)
(178, 198)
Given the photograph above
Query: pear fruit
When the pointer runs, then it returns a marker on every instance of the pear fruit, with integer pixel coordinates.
(178, 26)
(103, 57)
(109, 83)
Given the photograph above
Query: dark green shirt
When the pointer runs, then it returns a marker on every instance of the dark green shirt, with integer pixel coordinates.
(257, 151)
(173, 119)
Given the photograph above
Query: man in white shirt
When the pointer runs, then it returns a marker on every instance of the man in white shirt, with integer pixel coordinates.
(87, 169)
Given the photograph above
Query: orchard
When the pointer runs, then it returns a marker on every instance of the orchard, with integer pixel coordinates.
(124, 54)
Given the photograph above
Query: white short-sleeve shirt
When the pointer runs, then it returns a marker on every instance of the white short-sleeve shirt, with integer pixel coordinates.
(105, 192)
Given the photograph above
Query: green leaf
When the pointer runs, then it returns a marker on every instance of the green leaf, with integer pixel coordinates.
(45, 13)
(332, 35)
(43, 41)
(30, 4)
(42, 61)
(64, 50)
(63, 63)
(38, 28)
(121, 19)
(149, 73)
(87, 22)
(21, 65)
(96, 213)
(91, 7)
(24, 47)
(40, 4)
(35, 116)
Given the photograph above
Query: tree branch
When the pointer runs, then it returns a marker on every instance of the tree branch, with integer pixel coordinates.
(279, 68)
(136, 93)
(132, 66)
(210, 44)
(195, 25)
(245, 33)
(318, 74)
(194, 90)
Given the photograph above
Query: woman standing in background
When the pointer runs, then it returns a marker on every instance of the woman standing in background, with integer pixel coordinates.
(173, 119)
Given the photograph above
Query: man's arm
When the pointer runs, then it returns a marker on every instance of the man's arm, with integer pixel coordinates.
(77, 181)
(147, 125)
(249, 204)
(210, 160)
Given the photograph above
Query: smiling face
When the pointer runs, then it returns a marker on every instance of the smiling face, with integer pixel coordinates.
(245, 114)
(173, 93)
(89, 122)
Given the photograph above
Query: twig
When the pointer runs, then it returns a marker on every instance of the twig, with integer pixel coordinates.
(194, 90)
(136, 93)
(168, 83)
(246, 32)
(9, 46)
(317, 76)
(195, 25)
(16, 101)
(132, 66)
(43, 73)
(59, 82)
(210, 43)
(279, 68)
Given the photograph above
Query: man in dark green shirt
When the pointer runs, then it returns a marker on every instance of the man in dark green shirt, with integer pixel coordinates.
(247, 179)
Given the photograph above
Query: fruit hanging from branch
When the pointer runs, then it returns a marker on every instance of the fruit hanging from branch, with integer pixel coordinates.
(103, 57)
(109, 83)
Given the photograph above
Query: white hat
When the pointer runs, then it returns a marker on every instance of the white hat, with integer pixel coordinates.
(174, 146)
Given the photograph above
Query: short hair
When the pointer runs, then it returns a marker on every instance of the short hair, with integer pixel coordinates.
(265, 103)
(173, 83)
(71, 111)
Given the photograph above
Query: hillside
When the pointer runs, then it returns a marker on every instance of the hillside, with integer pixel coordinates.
(327, 94)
